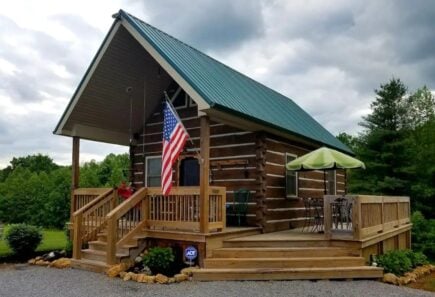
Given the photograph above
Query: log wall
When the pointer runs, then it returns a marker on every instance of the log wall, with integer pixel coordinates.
(288, 212)
(241, 160)
(232, 155)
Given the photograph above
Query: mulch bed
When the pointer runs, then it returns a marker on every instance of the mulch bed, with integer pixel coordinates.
(426, 283)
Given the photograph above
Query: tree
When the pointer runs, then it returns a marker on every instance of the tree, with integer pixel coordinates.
(383, 143)
(420, 108)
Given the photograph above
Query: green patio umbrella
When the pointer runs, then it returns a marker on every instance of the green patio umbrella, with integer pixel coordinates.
(322, 159)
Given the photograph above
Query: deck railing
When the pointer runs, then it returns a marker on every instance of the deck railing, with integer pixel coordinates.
(84, 196)
(362, 216)
(90, 219)
(149, 209)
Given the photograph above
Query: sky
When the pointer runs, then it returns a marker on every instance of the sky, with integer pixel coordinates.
(328, 56)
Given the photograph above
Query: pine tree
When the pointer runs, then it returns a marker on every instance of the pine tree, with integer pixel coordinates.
(383, 143)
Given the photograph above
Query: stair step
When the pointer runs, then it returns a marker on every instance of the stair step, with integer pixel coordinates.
(97, 255)
(355, 272)
(283, 252)
(242, 243)
(89, 265)
(302, 262)
(102, 245)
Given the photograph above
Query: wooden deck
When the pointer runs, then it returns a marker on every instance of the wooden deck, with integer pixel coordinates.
(118, 230)
(285, 255)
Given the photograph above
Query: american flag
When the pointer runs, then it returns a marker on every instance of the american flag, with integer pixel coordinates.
(174, 138)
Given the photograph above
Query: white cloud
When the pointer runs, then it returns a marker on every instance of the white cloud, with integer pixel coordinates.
(327, 56)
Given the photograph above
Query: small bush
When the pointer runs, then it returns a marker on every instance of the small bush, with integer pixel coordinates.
(396, 262)
(401, 261)
(23, 239)
(417, 258)
(159, 259)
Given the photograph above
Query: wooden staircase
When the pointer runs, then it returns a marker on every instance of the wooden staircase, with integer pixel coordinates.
(259, 258)
(94, 258)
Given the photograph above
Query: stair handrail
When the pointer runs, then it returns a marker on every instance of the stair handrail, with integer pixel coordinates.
(93, 202)
(113, 217)
(79, 214)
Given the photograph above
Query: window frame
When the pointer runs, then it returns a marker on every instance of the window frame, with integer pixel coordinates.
(296, 177)
(177, 92)
(147, 158)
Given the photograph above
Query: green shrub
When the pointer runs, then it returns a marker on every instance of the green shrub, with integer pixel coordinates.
(159, 259)
(23, 239)
(423, 234)
(417, 258)
(401, 261)
(396, 262)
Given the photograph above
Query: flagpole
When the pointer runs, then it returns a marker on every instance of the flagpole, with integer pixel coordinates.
(168, 100)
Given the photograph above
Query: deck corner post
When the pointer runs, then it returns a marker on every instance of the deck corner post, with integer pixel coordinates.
(327, 216)
(77, 237)
(204, 173)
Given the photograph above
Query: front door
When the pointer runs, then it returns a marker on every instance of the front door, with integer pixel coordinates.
(189, 172)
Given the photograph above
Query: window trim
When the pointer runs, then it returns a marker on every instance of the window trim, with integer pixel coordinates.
(192, 103)
(177, 92)
(296, 177)
(146, 167)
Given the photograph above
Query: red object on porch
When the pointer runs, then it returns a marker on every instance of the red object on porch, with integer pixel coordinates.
(125, 191)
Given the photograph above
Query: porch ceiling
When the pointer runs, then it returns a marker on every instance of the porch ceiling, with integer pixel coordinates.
(100, 109)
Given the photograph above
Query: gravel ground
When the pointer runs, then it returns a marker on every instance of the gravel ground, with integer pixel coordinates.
(34, 281)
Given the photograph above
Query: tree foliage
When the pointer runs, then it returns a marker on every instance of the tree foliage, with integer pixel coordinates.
(397, 146)
(35, 190)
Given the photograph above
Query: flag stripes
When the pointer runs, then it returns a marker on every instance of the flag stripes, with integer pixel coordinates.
(174, 139)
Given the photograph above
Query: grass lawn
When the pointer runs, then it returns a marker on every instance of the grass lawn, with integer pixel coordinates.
(51, 240)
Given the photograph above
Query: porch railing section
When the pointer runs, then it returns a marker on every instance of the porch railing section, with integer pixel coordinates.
(149, 208)
(90, 219)
(363, 216)
(84, 196)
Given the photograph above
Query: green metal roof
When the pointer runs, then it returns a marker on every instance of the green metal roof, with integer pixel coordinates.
(226, 89)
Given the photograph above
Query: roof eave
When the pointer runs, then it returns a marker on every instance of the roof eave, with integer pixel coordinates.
(58, 130)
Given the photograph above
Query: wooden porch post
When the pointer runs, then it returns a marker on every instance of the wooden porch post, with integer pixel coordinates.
(204, 173)
(75, 171)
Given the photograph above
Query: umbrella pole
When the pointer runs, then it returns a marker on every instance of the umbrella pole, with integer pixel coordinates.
(345, 181)
(324, 181)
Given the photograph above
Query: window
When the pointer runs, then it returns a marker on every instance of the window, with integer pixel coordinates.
(153, 171)
(179, 99)
(331, 189)
(291, 178)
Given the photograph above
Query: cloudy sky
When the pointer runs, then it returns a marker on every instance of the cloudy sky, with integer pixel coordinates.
(328, 56)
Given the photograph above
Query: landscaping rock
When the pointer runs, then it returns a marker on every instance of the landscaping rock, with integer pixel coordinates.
(51, 256)
(171, 280)
(61, 263)
(161, 279)
(32, 261)
(189, 270)
(390, 279)
(128, 276)
(122, 274)
(180, 277)
(412, 276)
(115, 270)
(42, 263)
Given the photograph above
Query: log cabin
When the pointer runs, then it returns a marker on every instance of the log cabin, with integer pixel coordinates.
(232, 197)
